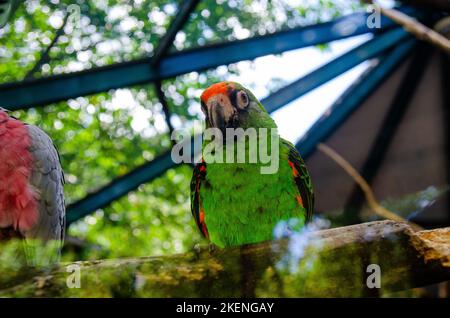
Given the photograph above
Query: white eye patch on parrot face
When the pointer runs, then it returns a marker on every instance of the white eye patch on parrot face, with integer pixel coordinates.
(242, 100)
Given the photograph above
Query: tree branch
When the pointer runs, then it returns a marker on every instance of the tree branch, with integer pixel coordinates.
(416, 28)
(327, 263)
(365, 187)
(45, 56)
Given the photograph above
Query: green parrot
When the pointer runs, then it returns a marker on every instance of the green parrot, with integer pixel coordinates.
(234, 203)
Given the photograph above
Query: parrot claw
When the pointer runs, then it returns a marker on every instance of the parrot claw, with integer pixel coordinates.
(197, 252)
(211, 248)
(197, 249)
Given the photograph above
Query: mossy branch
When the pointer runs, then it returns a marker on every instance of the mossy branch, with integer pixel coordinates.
(327, 263)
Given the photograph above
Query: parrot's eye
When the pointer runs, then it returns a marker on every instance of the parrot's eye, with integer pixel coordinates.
(242, 99)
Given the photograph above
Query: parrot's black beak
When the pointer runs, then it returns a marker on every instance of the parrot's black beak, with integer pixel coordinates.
(221, 114)
(216, 116)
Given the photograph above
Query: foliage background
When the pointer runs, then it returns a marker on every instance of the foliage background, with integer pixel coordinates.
(99, 137)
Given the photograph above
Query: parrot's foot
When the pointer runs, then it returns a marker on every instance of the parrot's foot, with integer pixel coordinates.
(211, 248)
(197, 248)
(197, 251)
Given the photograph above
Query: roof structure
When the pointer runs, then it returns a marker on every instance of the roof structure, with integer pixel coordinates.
(389, 81)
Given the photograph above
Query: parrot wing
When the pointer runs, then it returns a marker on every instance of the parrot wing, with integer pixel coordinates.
(48, 179)
(302, 178)
(198, 178)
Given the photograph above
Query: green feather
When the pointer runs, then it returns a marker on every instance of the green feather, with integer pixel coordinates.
(242, 205)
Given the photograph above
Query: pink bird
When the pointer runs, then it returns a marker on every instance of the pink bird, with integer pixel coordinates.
(31, 185)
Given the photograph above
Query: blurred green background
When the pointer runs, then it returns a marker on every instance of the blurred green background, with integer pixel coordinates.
(97, 136)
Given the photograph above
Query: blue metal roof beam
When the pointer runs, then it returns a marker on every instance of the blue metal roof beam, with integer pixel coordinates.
(121, 186)
(388, 128)
(38, 92)
(158, 166)
(336, 67)
(163, 47)
(178, 22)
(352, 98)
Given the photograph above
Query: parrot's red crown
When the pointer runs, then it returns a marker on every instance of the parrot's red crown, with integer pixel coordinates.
(218, 88)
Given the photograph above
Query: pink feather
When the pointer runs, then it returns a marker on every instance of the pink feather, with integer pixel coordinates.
(18, 201)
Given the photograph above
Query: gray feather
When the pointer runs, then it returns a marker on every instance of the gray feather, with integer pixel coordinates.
(48, 180)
